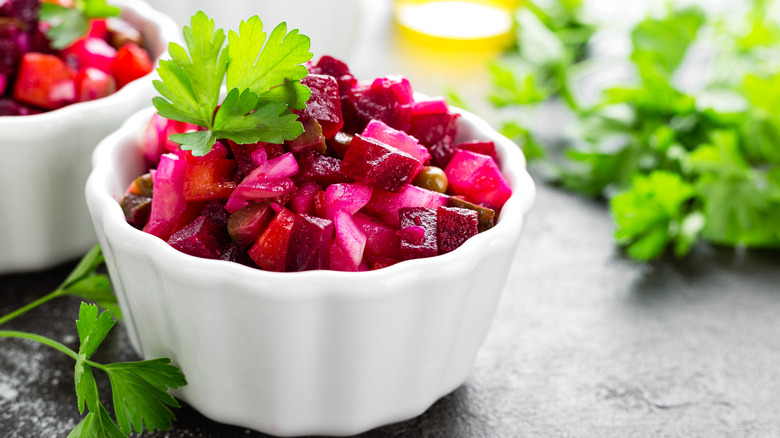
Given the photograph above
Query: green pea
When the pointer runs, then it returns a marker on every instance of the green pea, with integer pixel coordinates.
(431, 178)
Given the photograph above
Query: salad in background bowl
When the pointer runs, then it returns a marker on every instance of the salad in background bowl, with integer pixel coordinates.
(48, 142)
(292, 353)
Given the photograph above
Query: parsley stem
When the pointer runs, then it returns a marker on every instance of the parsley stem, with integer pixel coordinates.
(42, 339)
(22, 310)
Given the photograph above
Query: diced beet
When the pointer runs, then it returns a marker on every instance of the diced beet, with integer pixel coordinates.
(351, 241)
(478, 178)
(92, 84)
(157, 137)
(3, 83)
(386, 205)
(484, 147)
(25, 11)
(485, 215)
(136, 209)
(131, 63)
(418, 232)
(261, 190)
(232, 253)
(382, 241)
(437, 133)
(455, 226)
(398, 139)
(201, 238)
(215, 210)
(44, 81)
(321, 169)
(387, 99)
(309, 244)
(209, 180)
(270, 250)
(328, 65)
(345, 197)
(10, 107)
(246, 225)
(168, 203)
(324, 105)
(90, 52)
(339, 143)
(383, 263)
(378, 165)
(302, 201)
(435, 105)
(312, 138)
(14, 42)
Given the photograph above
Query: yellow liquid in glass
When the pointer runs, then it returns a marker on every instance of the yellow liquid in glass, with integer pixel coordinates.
(457, 24)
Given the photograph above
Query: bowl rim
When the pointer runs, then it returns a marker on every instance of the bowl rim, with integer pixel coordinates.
(168, 31)
(109, 216)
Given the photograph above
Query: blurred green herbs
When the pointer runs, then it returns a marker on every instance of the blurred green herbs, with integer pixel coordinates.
(681, 153)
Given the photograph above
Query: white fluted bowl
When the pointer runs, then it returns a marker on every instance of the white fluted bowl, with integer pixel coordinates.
(46, 160)
(317, 352)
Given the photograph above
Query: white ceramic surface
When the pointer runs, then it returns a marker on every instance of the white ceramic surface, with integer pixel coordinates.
(318, 352)
(46, 160)
(332, 25)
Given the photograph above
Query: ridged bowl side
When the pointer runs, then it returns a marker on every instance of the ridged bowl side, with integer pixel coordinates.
(46, 160)
(317, 352)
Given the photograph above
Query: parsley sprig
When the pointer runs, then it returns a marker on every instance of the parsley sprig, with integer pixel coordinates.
(70, 24)
(262, 73)
(677, 163)
(140, 389)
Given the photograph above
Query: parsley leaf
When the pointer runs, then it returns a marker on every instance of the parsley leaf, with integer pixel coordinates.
(651, 214)
(97, 424)
(259, 68)
(70, 24)
(263, 81)
(141, 398)
(92, 328)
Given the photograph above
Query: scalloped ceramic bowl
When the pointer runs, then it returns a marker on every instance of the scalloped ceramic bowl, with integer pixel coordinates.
(46, 160)
(317, 352)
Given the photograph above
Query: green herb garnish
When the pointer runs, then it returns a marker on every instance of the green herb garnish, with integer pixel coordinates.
(677, 164)
(263, 82)
(140, 389)
(70, 24)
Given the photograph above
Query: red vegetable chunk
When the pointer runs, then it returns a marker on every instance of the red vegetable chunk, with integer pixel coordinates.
(382, 241)
(209, 180)
(378, 165)
(44, 81)
(387, 205)
(387, 99)
(92, 84)
(201, 238)
(399, 140)
(348, 245)
(484, 147)
(455, 226)
(168, 202)
(478, 178)
(309, 244)
(91, 52)
(324, 104)
(418, 233)
(314, 167)
(437, 133)
(270, 250)
(131, 63)
(328, 65)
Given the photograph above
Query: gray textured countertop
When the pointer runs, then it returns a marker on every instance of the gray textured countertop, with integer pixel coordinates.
(584, 344)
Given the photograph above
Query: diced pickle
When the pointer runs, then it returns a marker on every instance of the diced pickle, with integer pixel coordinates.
(137, 209)
(143, 185)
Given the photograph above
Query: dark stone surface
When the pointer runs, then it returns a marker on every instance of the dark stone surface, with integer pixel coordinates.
(584, 344)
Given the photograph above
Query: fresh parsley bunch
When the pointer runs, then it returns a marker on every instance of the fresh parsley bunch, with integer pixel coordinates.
(676, 164)
(262, 73)
(140, 389)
